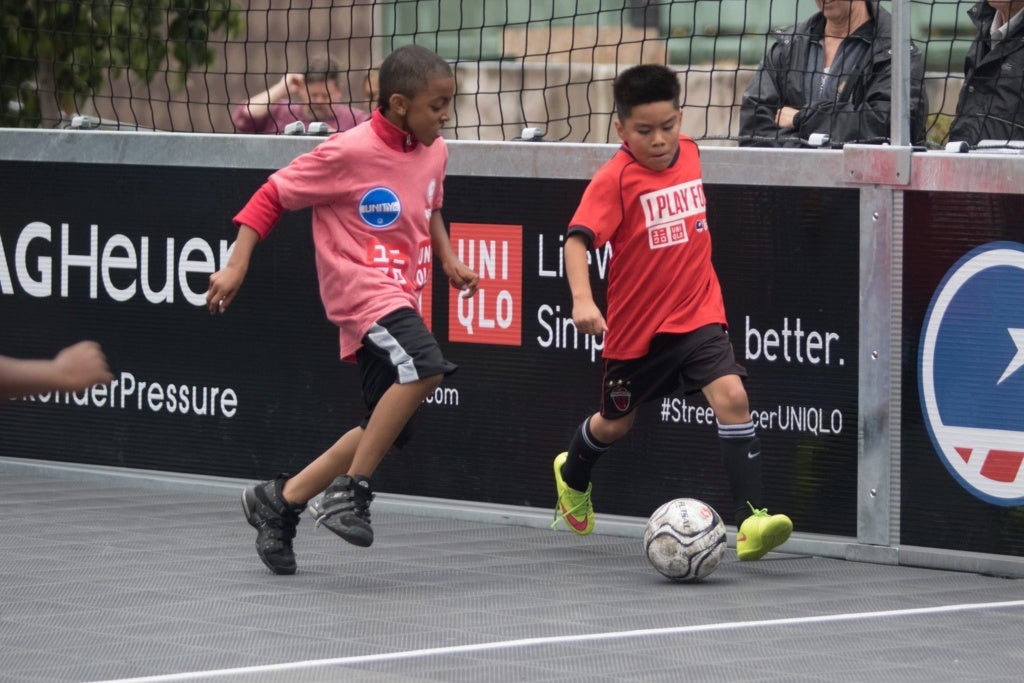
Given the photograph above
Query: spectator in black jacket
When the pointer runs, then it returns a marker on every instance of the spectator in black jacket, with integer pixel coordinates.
(990, 105)
(831, 75)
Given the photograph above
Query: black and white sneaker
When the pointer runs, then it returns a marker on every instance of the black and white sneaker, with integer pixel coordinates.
(344, 508)
(275, 520)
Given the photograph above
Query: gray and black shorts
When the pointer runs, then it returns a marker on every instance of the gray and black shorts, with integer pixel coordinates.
(398, 349)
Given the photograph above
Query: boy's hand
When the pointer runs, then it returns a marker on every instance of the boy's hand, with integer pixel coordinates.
(80, 366)
(587, 318)
(224, 284)
(461, 277)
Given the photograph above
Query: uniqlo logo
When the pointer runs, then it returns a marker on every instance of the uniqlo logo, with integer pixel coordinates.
(667, 235)
(388, 260)
(424, 272)
(659, 237)
(494, 315)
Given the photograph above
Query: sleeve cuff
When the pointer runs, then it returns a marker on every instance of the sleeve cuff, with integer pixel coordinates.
(262, 211)
(581, 230)
(796, 119)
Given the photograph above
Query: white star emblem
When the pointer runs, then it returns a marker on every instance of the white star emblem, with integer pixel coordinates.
(1018, 361)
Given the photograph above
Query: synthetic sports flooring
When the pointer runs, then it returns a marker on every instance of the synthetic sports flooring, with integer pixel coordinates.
(115, 575)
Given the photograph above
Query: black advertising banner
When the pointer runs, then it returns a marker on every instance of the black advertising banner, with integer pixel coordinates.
(963, 373)
(122, 254)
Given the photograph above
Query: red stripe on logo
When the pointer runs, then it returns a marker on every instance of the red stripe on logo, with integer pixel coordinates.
(1002, 465)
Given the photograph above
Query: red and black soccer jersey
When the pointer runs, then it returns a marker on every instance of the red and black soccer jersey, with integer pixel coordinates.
(660, 277)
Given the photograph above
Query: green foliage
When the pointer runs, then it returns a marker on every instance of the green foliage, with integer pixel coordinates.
(67, 49)
(938, 130)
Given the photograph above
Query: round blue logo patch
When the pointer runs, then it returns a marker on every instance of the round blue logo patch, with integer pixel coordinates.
(380, 207)
(971, 372)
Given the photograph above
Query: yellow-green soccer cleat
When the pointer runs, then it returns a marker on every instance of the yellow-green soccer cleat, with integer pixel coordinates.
(573, 506)
(760, 533)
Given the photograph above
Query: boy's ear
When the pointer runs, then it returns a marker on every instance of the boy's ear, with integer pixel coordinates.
(398, 103)
(618, 127)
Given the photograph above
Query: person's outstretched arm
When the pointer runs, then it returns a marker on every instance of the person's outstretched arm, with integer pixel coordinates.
(459, 275)
(225, 283)
(255, 221)
(79, 366)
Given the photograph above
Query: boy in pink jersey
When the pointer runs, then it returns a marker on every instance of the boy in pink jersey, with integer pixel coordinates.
(666, 324)
(376, 193)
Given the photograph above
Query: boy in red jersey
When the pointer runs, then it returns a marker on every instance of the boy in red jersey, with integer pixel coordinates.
(376, 194)
(666, 324)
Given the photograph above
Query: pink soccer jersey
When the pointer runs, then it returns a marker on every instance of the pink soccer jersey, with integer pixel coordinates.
(372, 190)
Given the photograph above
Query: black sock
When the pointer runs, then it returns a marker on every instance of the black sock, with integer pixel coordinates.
(584, 450)
(741, 455)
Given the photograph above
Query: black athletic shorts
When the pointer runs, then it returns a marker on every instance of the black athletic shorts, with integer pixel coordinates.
(398, 349)
(691, 361)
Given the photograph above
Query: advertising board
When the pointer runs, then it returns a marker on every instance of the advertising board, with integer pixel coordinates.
(122, 255)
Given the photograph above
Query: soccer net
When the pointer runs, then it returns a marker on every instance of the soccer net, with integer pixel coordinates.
(187, 65)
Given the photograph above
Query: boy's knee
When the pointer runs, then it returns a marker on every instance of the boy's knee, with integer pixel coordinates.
(735, 401)
(729, 401)
(610, 431)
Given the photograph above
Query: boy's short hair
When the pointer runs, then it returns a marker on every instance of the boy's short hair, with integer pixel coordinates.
(644, 84)
(407, 70)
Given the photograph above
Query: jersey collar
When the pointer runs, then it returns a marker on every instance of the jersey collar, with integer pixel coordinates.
(393, 136)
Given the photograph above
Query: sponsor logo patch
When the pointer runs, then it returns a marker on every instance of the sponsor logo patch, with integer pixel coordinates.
(380, 207)
(971, 372)
(495, 314)
(621, 396)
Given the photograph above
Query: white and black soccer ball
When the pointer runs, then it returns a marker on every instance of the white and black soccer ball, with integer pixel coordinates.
(685, 539)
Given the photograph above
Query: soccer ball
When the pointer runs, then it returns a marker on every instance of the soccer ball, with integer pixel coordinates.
(685, 539)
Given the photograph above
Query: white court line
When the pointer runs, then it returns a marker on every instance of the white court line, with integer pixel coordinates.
(559, 640)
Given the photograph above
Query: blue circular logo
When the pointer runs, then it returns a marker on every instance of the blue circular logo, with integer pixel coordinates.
(380, 207)
(971, 372)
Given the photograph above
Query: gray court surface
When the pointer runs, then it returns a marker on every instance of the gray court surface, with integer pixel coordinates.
(119, 576)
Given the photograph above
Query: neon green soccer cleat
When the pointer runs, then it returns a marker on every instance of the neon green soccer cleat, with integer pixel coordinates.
(573, 507)
(760, 533)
